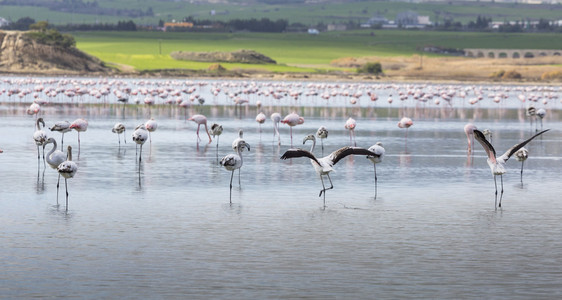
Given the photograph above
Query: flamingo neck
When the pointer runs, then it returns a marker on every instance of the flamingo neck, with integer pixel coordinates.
(313, 145)
(69, 154)
(53, 149)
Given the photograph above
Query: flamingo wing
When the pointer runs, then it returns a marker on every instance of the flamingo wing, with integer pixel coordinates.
(345, 151)
(514, 149)
(291, 153)
(479, 136)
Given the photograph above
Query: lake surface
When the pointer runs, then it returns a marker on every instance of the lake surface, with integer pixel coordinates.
(164, 227)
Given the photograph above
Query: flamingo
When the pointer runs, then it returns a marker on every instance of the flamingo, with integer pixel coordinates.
(151, 126)
(67, 169)
(62, 127)
(497, 163)
(405, 122)
(531, 113)
(379, 151)
(40, 137)
(324, 165)
(541, 113)
(54, 159)
(322, 133)
(239, 138)
(292, 119)
(231, 162)
(119, 128)
(350, 125)
(200, 120)
(469, 131)
(33, 109)
(260, 118)
(522, 155)
(140, 135)
(216, 131)
(276, 118)
(79, 125)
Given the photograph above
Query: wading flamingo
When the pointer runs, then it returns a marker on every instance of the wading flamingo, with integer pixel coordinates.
(119, 128)
(62, 127)
(469, 131)
(79, 125)
(522, 155)
(40, 137)
(322, 133)
(379, 151)
(216, 131)
(323, 166)
(200, 120)
(54, 159)
(350, 125)
(67, 169)
(276, 118)
(497, 163)
(541, 113)
(140, 136)
(150, 126)
(231, 162)
(292, 119)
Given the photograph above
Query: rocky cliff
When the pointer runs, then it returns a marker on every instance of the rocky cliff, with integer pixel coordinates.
(21, 54)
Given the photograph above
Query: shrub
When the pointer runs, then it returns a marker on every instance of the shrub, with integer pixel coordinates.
(551, 75)
(498, 74)
(371, 68)
(512, 75)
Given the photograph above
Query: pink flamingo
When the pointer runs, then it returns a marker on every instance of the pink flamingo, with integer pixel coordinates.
(200, 120)
(260, 118)
(33, 109)
(292, 119)
(79, 125)
(151, 126)
(276, 118)
(350, 125)
(469, 131)
(405, 122)
(62, 127)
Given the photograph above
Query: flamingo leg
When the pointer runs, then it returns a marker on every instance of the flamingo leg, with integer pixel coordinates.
(124, 137)
(375, 166)
(231, 176)
(291, 136)
(207, 131)
(66, 187)
(239, 177)
(140, 155)
(522, 162)
(78, 141)
(62, 141)
(198, 138)
(496, 185)
(322, 142)
(58, 182)
(119, 138)
(501, 195)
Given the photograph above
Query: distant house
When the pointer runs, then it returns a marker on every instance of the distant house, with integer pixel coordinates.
(313, 31)
(411, 19)
(375, 20)
(336, 27)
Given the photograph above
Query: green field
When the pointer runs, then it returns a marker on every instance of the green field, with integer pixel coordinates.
(310, 14)
(293, 52)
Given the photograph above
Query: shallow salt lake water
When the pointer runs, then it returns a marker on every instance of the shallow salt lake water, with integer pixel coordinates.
(164, 228)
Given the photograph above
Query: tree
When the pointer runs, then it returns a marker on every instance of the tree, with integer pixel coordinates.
(371, 68)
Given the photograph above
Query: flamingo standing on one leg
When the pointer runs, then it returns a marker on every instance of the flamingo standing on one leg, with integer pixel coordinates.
(216, 131)
(119, 128)
(497, 163)
(79, 125)
(54, 159)
(350, 125)
(139, 137)
(292, 119)
(276, 118)
(324, 165)
(62, 127)
(231, 162)
(522, 155)
(151, 126)
(260, 118)
(40, 137)
(67, 169)
(322, 133)
(200, 120)
(379, 151)
(405, 123)
(469, 131)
